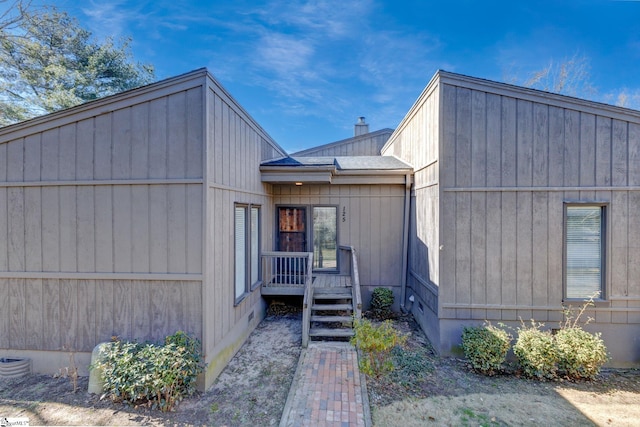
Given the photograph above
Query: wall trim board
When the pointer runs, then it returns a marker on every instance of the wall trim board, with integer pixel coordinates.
(173, 277)
(426, 166)
(534, 189)
(623, 298)
(430, 287)
(534, 307)
(109, 182)
(216, 186)
(426, 185)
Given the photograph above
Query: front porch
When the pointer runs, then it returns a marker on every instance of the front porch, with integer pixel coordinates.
(320, 280)
(287, 273)
(328, 298)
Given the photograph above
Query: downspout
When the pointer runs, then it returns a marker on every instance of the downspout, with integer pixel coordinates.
(405, 242)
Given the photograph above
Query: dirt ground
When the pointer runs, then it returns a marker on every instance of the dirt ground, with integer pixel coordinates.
(452, 395)
(252, 391)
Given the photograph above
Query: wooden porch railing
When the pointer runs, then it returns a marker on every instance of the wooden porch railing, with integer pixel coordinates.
(355, 281)
(291, 269)
(307, 302)
(286, 269)
(283, 272)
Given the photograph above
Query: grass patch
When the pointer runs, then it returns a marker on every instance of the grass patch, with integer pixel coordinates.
(410, 366)
(468, 417)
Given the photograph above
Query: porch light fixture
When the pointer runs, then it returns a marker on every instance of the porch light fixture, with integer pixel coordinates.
(298, 183)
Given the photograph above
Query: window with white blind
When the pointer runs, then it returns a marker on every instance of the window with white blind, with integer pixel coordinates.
(584, 251)
(247, 249)
(241, 251)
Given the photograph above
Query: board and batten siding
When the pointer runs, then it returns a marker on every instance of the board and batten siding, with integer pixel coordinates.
(368, 144)
(236, 145)
(509, 162)
(416, 142)
(494, 166)
(75, 315)
(370, 218)
(101, 219)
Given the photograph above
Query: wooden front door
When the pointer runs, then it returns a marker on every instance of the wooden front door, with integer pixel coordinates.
(292, 235)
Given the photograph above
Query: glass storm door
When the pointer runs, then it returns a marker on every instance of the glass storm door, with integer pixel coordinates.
(325, 245)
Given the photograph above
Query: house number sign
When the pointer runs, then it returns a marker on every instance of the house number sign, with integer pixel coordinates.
(344, 214)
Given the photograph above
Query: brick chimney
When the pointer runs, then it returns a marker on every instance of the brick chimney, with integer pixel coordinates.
(361, 127)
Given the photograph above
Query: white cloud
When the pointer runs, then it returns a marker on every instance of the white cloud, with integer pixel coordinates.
(124, 18)
(332, 57)
(327, 58)
(334, 19)
(108, 18)
(285, 54)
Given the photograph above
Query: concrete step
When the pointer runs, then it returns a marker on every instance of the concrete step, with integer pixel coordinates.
(338, 333)
(332, 307)
(341, 319)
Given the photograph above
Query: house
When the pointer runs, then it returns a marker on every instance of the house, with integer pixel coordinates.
(168, 208)
(522, 201)
(117, 218)
(146, 212)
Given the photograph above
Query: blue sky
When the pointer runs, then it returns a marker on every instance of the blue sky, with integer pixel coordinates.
(305, 70)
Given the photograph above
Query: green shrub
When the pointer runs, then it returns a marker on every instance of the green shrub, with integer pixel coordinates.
(581, 354)
(572, 351)
(486, 347)
(536, 352)
(381, 302)
(157, 375)
(375, 343)
(183, 340)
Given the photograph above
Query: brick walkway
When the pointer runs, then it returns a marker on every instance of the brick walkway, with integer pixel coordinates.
(327, 389)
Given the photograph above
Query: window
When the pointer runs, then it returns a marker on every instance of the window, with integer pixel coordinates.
(247, 249)
(584, 251)
(255, 247)
(320, 230)
(325, 245)
(241, 251)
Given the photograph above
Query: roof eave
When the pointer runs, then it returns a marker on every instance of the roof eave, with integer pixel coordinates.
(297, 174)
(373, 171)
(300, 175)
